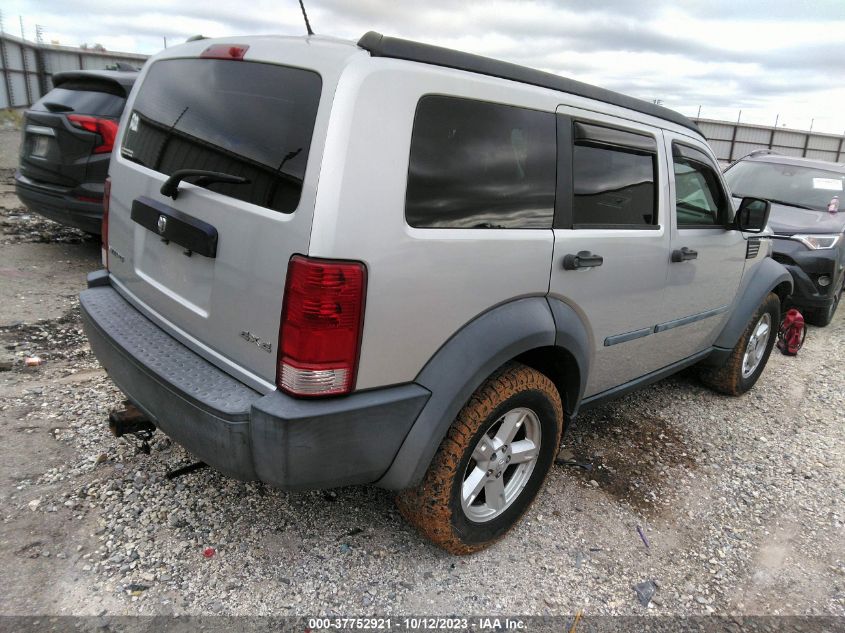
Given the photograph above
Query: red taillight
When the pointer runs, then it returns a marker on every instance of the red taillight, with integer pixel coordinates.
(320, 334)
(225, 51)
(106, 128)
(104, 231)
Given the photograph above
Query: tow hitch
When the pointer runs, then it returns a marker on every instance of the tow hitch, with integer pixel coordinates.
(130, 421)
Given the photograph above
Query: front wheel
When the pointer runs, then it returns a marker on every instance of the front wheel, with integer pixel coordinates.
(751, 353)
(491, 464)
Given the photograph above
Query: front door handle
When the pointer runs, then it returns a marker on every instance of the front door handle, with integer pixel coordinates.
(684, 254)
(583, 259)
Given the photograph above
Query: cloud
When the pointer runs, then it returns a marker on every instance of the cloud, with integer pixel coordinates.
(755, 55)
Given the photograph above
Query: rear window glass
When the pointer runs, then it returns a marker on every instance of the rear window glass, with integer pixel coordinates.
(81, 99)
(481, 165)
(247, 119)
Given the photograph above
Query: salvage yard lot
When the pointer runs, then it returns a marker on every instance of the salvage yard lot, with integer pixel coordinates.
(740, 501)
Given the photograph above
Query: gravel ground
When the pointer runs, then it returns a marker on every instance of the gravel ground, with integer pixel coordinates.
(739, 500)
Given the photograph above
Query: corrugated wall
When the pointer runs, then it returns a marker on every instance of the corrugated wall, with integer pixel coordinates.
(26, 68)
(731, 141)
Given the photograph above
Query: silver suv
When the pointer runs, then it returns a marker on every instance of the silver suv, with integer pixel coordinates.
(388, 263)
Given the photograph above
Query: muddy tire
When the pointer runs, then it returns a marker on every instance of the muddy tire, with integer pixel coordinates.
(491, 464)
(751, 353)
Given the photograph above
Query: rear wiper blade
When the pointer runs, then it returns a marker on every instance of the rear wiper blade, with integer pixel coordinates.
(203, 177)
(52, 106)
(791, 204)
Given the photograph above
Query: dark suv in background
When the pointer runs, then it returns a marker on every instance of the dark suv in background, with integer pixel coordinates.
(808, 220)
(67, 143)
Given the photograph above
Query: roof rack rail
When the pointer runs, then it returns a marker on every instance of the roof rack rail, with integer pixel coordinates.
(760, 152)
(379, 45)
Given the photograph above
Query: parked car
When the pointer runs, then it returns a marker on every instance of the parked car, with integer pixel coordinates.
(68, 136)
(395, 264)
(808, 220)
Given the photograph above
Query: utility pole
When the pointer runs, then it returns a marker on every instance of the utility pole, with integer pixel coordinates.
(739, 116)
(164, 37)
(813, 120)
(698, 116)
(23, 36)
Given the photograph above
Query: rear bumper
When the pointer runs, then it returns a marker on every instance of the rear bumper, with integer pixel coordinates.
(59, 204)
(285, 442)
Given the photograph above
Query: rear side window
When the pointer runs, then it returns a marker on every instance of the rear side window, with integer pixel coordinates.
(246, 119)
(480, 165)
(614, 173)
(83, 98)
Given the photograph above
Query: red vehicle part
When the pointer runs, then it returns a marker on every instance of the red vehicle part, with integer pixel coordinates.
(792, 332)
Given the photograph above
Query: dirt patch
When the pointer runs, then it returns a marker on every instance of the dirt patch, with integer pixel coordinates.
(18, 225)
(48, 339)
(633, 458)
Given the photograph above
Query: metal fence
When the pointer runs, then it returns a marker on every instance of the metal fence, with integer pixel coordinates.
(27, 67)
(731, 141)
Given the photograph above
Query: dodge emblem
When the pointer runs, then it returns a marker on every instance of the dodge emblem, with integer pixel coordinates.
(161, 224)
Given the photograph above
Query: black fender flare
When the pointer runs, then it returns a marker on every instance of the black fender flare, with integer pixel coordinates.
(753, 290)
(468, 358)
(574, 336)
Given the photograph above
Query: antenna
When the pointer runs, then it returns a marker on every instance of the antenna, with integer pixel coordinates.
(305, 15)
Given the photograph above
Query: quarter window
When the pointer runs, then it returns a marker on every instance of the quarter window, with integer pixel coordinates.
(699, 199)
(614, 175)
(480, 165)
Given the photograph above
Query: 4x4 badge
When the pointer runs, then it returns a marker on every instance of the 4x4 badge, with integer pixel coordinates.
(161, 224)
(249, 336)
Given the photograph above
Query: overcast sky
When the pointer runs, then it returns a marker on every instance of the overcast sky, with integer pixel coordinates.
(765, 57)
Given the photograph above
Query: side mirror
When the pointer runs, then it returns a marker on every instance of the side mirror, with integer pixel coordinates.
(753, 215)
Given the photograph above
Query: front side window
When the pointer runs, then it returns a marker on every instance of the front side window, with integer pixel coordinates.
(614, 175)
(699, 198)
(484, 165)
(246, 119)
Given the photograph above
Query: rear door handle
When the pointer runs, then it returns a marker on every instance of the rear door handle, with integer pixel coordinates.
(684, 254)
(583, 259)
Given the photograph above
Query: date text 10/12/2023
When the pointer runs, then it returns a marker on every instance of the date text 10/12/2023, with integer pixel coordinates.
(416, 624)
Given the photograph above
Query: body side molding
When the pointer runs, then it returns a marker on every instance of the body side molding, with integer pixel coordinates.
(692, 318)
(616, 339)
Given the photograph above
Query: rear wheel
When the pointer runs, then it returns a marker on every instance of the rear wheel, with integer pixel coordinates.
(491, 464)
(751, 353)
